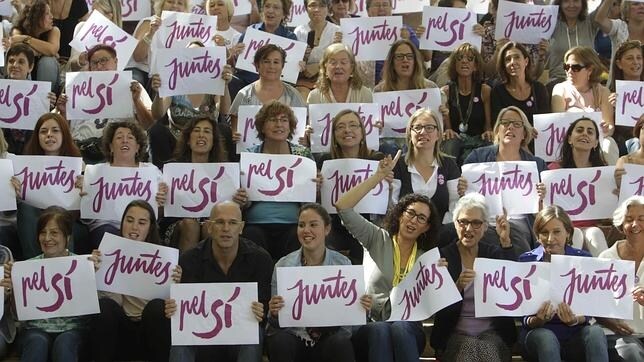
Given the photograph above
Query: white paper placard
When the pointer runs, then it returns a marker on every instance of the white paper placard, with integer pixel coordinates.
(54, 287)
(281, 178)
(191, 71)
(397, 107)
(447, 28)
(194, 188)
(135, 268)
(585, 193)
(255, 39)
(630, 102)
(425, 290)
(321, 296)
(407, 6)
(105, 94)
(214, 314)
(525, 23)
(552, 128)
(7, 192)
(632, 182)
(299, 15)
(109, 190)
(360, 9)
(502, 183)
(6, 9)
(246, 126)
(341, 175)
(321, 115)
(2, 4)
(100, 30)
(510, 289)
(607, 283)
(370, 38)
(22, 102)
(177, 30)
(49, 180)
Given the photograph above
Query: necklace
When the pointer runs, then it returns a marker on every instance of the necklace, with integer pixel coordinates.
(464, 121)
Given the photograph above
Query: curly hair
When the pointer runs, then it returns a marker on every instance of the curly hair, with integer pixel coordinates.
(137, 131)
(389, 76)
(549, 213)
(67, 147)
(464, 50)
(30, 19)
(183, 153)
(271, 110)
(566, 159)
(153, 232)
(500, 61)
(391, 223)
(323, 82)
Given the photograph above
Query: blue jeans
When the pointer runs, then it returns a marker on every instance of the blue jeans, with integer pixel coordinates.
(388, 341)
(625, 348)
(48, 70)
(541, 344)
(36, 344)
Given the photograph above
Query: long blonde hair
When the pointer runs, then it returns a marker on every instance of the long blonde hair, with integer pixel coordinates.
(410, 157)
(323, 83)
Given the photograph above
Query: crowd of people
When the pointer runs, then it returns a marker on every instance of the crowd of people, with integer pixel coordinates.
(489, 98)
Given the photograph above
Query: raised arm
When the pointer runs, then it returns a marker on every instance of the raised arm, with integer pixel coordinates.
(601, 16)
(354, 195)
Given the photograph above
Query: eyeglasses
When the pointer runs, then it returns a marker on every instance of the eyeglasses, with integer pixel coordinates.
(509, 122)
(220, 223)
(408, 56)
(100, 61)
(420, 218)
(461, 57)
(429, 128)
(464, 223)
(279, 120)
(343, 127)
(575, 67)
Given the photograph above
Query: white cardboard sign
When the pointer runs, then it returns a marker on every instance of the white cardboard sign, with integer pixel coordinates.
(22, 102)
(525, 23)
(629, 106)
(341, 175)
(177, 30)
(447, 28)
(281, 178)
(7, 192)
(552, 128)
(191, 71)
(632, 182)
(104, 94)
(370, 38)
(397, 107)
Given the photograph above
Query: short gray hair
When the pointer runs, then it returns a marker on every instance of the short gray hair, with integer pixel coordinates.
(620, 213)
(470, 201)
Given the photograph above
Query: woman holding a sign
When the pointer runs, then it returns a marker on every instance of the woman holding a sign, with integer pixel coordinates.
(426, 170)
(556, 332)
(129, 327)
(457, 333)
(339, 80)
(51, 137)
(636, 157)
(583, 92)
(408, 231)
(297, 343)
(581, 149)
(625, 340)
(63, 336)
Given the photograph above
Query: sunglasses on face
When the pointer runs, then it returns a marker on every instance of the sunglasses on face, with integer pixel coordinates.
(575, 67)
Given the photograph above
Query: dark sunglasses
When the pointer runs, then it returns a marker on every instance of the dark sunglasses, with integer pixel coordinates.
(575, 67)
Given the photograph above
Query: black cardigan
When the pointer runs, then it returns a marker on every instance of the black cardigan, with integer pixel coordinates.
(445, 320)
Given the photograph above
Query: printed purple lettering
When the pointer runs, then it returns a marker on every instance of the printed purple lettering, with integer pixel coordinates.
(456, 28)
(509, 180)
(201, 65)
(376, 33)
(639, 189)
(344, 182)
(192, 30)
(97, 32)
(555, 136)
(497, 280)
(633, 97)
(150, 264)
(19, 102)
(424, 278)
(264, 169)
(35, 282)
(333, 287)
(228, 316)
(128, 7)
(564, 188)
(603, 279)
(196, 306)
(61, 297)
(208, 190)
(57, 175)
(538, 20)
(128, 186)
